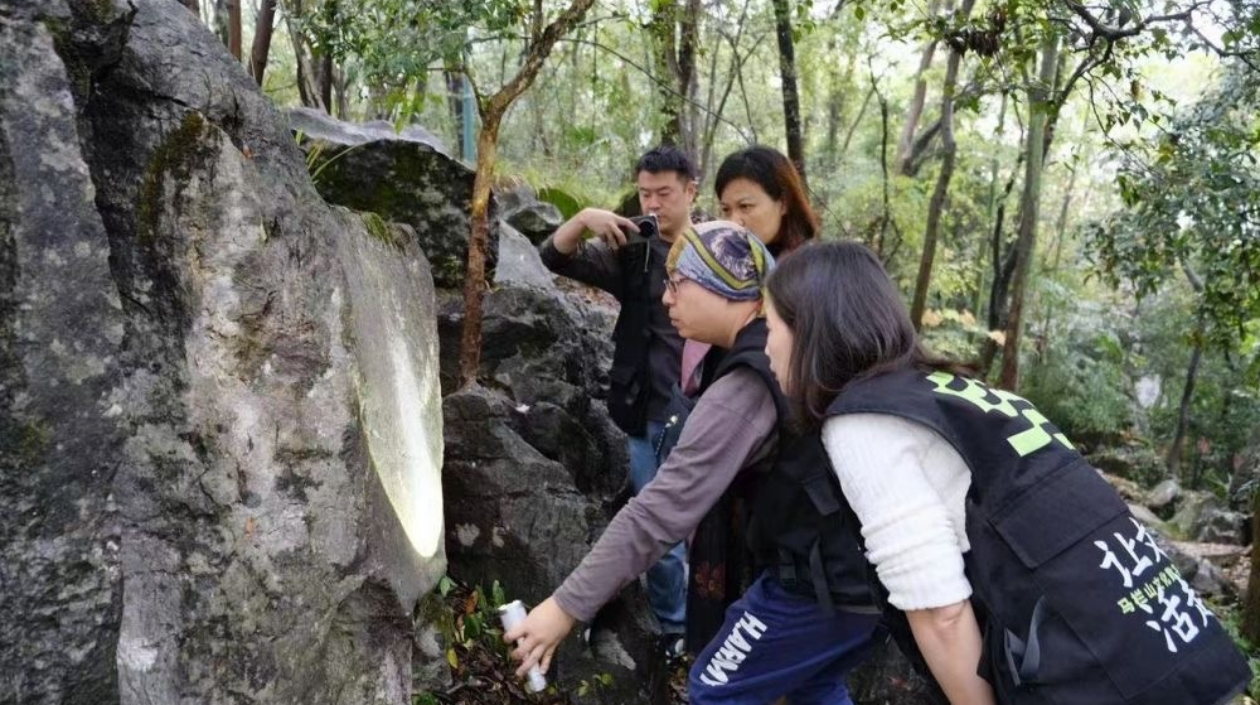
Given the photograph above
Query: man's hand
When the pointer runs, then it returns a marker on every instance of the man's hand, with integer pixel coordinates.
(606, 225)
(538, 636)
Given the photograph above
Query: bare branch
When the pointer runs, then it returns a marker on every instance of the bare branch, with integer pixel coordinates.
(643, 70)
(1116, 33)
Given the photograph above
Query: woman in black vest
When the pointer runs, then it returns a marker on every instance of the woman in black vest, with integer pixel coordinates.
(1016, 574)
(774, 642)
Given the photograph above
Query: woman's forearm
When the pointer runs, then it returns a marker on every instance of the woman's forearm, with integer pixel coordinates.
(949, 638)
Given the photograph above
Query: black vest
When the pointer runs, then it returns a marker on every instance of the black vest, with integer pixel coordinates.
(795, 520)
(1077, 602)
(629, 380)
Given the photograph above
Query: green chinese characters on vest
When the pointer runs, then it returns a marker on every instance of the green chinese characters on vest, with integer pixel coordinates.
(988, 399)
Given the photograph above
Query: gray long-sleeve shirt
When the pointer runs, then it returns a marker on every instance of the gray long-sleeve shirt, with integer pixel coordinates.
(732, 428)
(595, 264)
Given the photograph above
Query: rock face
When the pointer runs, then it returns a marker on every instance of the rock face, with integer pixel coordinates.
(1137, 463)
(406, 177)
(519, 263)
(532, 463)
(532, 460)
(220, 434)
(1202, 517)
(533, 218)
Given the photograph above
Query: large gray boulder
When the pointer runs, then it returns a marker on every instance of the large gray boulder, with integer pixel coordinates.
(533, 463)
(1138, 463)
(548, 351)
(407, 177)
(516, 517)
(535, 219)
(1201, 516)
(519, 262)
(220, 431)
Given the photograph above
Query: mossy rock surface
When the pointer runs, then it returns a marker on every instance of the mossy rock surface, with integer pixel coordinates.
(402, 177)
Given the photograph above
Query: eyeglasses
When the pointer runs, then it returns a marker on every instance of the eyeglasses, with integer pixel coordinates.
(672, 284)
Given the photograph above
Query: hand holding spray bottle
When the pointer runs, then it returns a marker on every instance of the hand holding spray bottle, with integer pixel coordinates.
(512, 614)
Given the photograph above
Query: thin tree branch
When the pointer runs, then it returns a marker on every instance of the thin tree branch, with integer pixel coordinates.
(636, 65)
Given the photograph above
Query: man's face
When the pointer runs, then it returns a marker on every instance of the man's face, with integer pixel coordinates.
(669, 195)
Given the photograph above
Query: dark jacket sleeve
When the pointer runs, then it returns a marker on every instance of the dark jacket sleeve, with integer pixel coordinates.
(591, 263)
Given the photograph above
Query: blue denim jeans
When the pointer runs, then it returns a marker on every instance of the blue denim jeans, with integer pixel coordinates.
(667, 579)
(776, 643)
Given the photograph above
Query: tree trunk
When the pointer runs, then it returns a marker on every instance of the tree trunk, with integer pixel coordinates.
(662, 30)
(307, 70)
(1251, 603)
(221, 22)
(840, 85)
(259, 52)
(688, 80)
(1002, 265)
(734, 69)
(791, 99)
(915, 111)
(937, 205)
(675, 34)
(848, 136)
(883, 166)
(475, 272)
(324, 79)
(1039, 103)
(234, 28)
(1060, 235)
(1187, 392)
(492, 112)
(1177, 450)
(990, 209)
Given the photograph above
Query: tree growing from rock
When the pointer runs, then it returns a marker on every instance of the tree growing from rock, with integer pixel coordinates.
(492, 108)
(389, 38)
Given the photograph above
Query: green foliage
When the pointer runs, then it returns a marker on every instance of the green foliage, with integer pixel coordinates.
(600, 683)
(565, 202)
(392, 37)
(1083, 388)
(952, 333)
(316, 160)
(468, 619)
(1231, 619)
(1192, 201)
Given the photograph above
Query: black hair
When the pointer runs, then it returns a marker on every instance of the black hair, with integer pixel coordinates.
(848, 322)
(778, 177)
(666, 158)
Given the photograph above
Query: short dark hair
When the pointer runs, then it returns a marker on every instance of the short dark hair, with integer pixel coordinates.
(666, 158)
(778, 177)
(847, 319)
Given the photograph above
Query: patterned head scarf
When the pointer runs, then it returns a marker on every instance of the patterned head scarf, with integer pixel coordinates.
(723, 258)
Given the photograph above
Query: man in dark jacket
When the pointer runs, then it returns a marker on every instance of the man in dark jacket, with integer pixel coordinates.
(647, 349)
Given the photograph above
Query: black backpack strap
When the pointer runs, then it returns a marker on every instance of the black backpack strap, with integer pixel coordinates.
(1024, 658)
(819, 575)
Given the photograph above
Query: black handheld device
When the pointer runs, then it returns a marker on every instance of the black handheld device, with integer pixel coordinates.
(648, 227)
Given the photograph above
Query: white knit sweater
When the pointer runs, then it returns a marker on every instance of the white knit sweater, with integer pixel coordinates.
(908, 486)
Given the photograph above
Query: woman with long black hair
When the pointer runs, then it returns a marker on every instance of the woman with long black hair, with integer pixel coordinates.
(1016, 572)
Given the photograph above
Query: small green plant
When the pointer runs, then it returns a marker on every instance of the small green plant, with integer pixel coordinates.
(315, 161)
(598, 684)
(1230, 617)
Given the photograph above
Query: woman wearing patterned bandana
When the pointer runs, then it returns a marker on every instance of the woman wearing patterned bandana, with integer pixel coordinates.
(774, 642)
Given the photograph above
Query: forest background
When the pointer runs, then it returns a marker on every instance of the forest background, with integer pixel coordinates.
(1066, 192)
